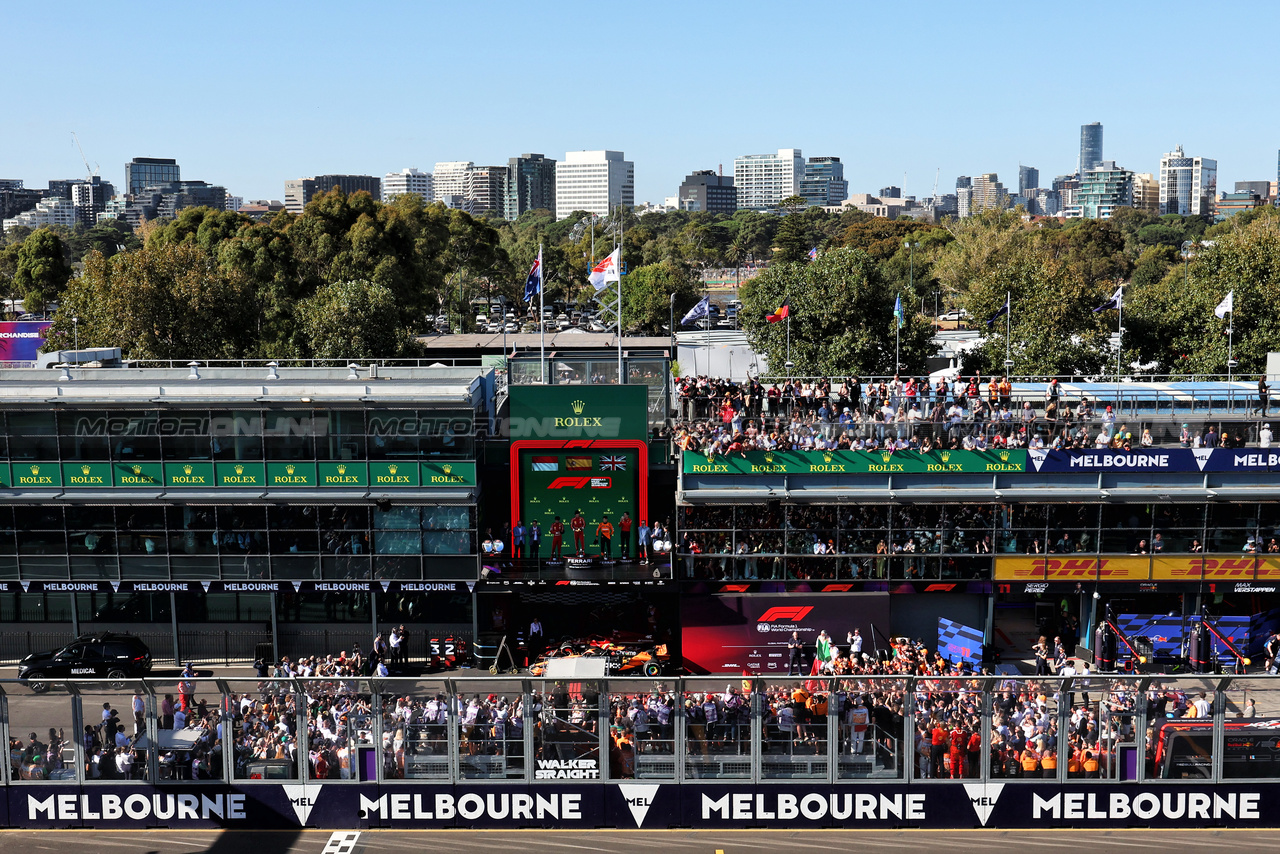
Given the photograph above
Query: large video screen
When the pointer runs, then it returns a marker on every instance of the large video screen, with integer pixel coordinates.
(730, 634)
(561, 482)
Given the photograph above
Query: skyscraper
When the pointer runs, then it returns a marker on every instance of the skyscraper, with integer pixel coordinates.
(407, 181)
(823, 183)
(988, 193)
(595, 182)
(764, 180)
(1090, 146)
(530, 185)
(1028, 180)
(1188, 185)
(150, 172)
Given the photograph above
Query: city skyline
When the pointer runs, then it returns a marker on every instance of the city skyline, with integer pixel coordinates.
(257, 137)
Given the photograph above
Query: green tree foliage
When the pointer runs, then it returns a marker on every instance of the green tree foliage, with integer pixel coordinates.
(646, 296)
(41, 269)
(842, 319)
(1052, 328)
(1172, 322)
(791, 243)
(353, 320)
(162, 302)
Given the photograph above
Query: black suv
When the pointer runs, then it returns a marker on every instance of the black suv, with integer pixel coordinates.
(104, 656)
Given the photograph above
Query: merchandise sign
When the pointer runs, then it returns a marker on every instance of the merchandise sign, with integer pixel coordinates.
(579, 412)
(648, 805)
(856, 462)
(21, 340)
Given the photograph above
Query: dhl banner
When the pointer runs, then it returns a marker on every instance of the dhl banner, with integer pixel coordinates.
(1136, 568)
(1204, 567)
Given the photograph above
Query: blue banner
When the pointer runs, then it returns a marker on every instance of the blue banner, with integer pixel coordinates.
(958, 642)
(1156, 459)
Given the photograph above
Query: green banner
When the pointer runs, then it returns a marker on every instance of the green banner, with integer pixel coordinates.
(36, 474)
(252, 475)
(137, 474)
(579, 412)
(342, 473)
(857, 462)
(195, 475)
(90, 475)
(291, 474)
(445, 473)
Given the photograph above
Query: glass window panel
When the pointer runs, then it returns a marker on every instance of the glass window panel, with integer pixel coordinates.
(713, 749)
(1179, 737)
(264, 729)
(135, 436)
(398, 518)
(291, 434)
(948, 712)
(43, 727)
(642, 730)
(115, 741)
(420, 710)
(340, 722)
(869, 714)
(491, 722)
(794, 734)
(1252, 708)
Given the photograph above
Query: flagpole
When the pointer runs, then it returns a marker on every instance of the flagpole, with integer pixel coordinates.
(788, 341)
(1008, 330)
(621, 225)
(542, 322)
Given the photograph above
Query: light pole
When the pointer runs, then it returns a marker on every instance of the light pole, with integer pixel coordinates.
(1186, 256)
(75, 327)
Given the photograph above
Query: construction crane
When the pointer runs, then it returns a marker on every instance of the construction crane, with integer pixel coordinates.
(936, 176)
(90, 172)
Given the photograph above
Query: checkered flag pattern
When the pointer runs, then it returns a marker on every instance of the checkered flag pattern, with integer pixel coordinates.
(342, 842)
(959, 642)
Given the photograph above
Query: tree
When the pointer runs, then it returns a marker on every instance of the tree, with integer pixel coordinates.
(647, 292)
(792, 240)
(41, 270)
(162, 302)
(1052, 328)
(353, 320)
(841, 317)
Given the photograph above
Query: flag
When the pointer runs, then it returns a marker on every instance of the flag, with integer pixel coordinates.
(1114, 302)
(546, 464)
(813, 254)
(613, 463)
(533, 283)
(608, 270)
(702, 309)
(1227, 305)
(783, 311)
(577, 463)
(897, 309)
(1004, 309)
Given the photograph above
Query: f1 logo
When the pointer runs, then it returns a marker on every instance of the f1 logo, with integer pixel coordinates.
(569, 483)
(778, 614)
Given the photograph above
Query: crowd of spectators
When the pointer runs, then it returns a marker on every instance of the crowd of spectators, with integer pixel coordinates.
(717, 416)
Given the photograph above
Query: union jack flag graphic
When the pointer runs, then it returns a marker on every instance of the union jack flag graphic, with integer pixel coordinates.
(610, 463)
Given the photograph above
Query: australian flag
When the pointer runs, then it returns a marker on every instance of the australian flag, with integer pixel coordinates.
(533, 284)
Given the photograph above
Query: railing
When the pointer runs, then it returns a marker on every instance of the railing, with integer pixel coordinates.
(832, 729)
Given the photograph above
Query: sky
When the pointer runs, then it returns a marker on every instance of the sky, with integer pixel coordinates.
(247, 95)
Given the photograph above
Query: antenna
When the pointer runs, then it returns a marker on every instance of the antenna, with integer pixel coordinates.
(90, 172)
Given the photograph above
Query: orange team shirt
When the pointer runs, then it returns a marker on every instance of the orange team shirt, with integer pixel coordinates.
(605, 530)
(578, 523)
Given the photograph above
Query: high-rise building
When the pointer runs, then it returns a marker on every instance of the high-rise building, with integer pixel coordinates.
(964, 196)
(488, 190)
(595, 182)
(1090, 146)
(704, 190)
(764, 180)
(823, 183)
(299, 191)
(234, 203)
(1146, 193)
(16, 200)
(1103, 189)
(530, 185)
(51, 210)
(988, 193)
(90, 199)
(1261, 189)
(1188, 185)
(1066, 187)
(1233, 203)
(407, 181)
(452, 183)
(61, 187)
(1028, 180)
(150, 172)
(890, 193)
(1047, 202)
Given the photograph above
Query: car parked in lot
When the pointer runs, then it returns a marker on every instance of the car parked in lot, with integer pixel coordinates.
(98, 656)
